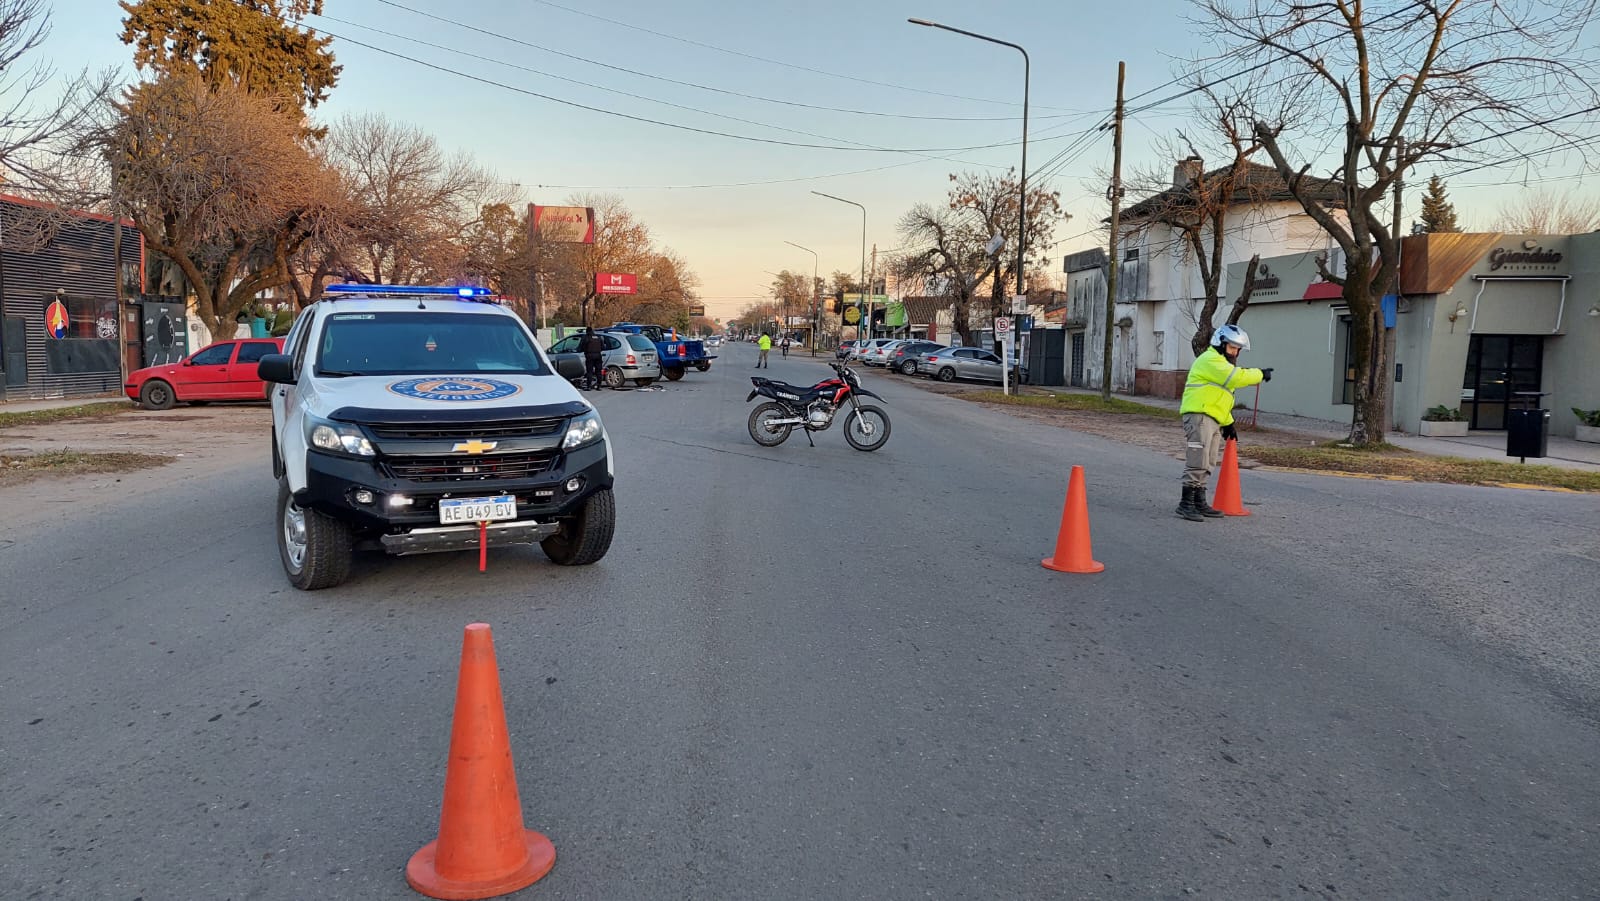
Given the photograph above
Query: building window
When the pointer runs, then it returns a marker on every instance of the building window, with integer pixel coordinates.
(1158, 351)
(1131, 255)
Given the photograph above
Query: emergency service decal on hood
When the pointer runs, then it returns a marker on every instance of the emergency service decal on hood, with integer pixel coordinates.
(454, 389)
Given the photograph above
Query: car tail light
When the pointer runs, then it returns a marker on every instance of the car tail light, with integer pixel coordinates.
(632, 361)
(933, 359)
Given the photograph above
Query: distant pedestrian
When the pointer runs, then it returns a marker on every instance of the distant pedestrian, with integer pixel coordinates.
(765, 343)
(1207, 410)
(594, 351)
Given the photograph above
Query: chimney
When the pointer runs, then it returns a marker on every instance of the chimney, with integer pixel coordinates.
(1186, 171)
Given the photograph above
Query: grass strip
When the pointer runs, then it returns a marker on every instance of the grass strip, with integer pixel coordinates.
(1392, 461)
(1088, 403)
(71, 462)
(55, 414)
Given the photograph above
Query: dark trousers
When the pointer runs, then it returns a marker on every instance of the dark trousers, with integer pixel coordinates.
(591, 371)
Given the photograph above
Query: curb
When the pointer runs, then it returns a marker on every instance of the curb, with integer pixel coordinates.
(1381, 477)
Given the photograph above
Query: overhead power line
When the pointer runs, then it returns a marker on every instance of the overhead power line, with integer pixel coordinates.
(775, 62)
(649, 121)
(690, 84)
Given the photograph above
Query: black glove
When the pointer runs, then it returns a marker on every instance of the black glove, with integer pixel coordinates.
(1229, 433)
(1266, 374)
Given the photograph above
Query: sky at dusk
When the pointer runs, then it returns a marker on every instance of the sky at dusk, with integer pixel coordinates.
(737, 92)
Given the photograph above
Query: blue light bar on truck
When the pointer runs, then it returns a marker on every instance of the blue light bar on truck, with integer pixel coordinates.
(468, 292)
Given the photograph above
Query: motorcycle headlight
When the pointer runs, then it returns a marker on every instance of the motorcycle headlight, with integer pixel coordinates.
(585, 429)
(338, 438)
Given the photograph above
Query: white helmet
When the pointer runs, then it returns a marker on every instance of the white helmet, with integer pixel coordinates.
(1231, 334)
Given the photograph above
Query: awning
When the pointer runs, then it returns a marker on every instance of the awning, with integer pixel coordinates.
(1323, 291)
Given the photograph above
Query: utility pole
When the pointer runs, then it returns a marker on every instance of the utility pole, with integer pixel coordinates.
(1389, 333)
(1114, 194)
(872, 293)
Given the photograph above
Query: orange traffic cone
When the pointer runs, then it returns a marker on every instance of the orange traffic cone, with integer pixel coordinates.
(482, 850)
(1073, 553)
(1228, 499)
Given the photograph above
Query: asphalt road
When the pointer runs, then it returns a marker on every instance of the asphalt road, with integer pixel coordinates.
(819, 673)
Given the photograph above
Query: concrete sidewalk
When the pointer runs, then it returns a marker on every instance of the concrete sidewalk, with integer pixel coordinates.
(1566, 453)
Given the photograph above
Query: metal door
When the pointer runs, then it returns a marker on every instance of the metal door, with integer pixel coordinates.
(14, 340)
(1076, 377)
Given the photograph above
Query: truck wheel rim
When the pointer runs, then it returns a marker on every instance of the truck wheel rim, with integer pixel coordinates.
(294, 534)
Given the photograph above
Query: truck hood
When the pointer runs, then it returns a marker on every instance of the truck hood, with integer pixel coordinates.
(442, 393)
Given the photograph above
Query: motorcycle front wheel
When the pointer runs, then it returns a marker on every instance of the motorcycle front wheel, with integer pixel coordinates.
(761, 429)
(867, 427)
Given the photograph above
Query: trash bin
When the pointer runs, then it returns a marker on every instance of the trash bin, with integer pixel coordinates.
(1527, 433)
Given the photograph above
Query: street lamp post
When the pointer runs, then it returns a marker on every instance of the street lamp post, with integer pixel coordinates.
(816, 300)
(864, 287)
(1022, 190)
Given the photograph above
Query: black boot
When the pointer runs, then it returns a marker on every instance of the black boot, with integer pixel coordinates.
(1187, 508)
(1203, 505)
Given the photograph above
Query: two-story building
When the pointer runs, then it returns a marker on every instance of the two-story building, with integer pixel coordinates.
(1160, 291)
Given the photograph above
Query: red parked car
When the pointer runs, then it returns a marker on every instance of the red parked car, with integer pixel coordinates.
(225, 370)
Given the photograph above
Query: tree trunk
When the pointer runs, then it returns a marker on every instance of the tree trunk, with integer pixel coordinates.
(1367, 427)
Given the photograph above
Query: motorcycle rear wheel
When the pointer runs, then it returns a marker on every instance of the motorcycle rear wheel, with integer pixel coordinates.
(867, 428)
(769, 435)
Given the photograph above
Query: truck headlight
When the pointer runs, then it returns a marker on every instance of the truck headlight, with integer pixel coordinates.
(338, 438)
(585, 429)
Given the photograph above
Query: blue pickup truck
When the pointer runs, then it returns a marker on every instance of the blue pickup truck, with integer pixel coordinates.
(676, 354)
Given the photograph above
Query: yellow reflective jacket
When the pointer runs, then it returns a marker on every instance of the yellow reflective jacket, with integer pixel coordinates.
(765, 343)
(1212, 381)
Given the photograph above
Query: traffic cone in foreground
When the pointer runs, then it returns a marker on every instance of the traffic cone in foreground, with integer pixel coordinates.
(1073, 553)
(482, 850)
(1229, 500)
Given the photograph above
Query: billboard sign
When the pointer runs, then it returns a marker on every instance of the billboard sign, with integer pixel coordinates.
(616, 283)
(562, 224)
(697, 311)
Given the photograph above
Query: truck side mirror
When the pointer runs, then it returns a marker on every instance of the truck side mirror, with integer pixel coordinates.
(277, 368)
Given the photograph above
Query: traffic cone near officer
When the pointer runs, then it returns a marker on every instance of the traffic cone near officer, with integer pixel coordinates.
(1207, 411)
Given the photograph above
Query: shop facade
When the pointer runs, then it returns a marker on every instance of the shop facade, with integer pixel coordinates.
(1483, 323)
(61, 326)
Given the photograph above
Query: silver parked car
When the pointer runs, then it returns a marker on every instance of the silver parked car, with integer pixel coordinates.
(628, 356)
(951, 363)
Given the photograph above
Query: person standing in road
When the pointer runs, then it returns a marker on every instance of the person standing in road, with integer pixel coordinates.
(594, 351)
(766, 346)
(1207, 410)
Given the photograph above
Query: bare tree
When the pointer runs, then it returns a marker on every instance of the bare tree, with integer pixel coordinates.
(1201, 210)
(218, 181)
(958, 247)
(1480, 79)
(1549, 212)
(38, 140)
(415, 201)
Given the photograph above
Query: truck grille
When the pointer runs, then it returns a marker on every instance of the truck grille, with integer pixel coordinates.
(473, 468)
(461, 431)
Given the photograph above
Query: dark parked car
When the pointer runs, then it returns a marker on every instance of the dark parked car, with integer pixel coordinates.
(905, 356)
(845, 348)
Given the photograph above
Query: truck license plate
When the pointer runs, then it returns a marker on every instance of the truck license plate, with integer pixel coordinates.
(477, 509)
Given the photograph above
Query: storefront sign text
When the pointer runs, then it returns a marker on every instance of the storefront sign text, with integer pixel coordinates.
(1531, 256)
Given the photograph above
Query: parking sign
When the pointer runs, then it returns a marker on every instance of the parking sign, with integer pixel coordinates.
(1002, 324)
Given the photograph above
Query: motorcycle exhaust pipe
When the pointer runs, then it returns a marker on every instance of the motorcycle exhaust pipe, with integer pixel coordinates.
(796, 421)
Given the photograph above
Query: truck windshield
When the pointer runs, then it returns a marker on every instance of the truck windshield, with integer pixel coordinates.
(425, 344)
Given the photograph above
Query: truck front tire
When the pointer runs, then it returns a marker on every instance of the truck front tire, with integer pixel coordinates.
(586, 536)
(315, 548)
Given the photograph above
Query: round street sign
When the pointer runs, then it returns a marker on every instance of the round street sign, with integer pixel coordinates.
(1002, 324)
(852, 315)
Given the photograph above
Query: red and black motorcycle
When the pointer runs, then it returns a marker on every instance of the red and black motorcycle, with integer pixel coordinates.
(813, 408)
